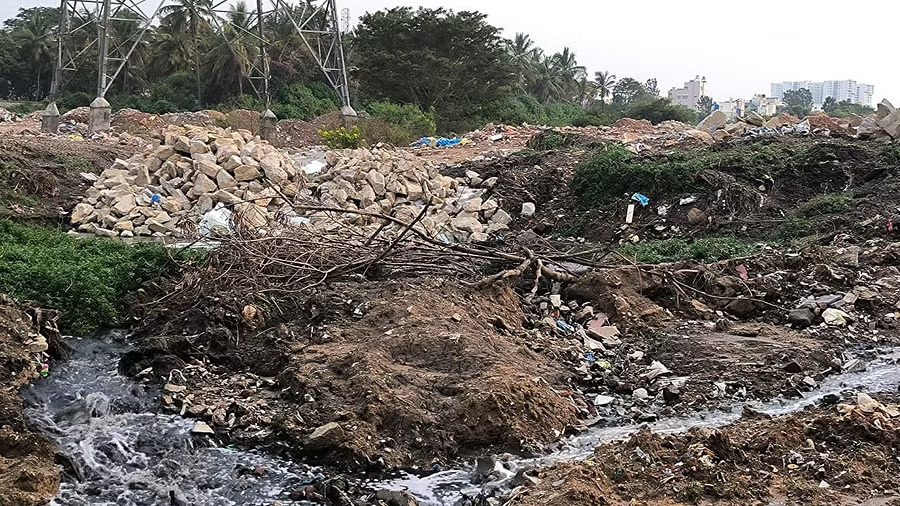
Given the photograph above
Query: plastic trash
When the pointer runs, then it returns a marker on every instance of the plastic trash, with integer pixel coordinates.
(629, 214)
(155, 198)
(216, 222)
(687, 200)
(641, 199)
(564, 326)
(45, 370)
(314, 167)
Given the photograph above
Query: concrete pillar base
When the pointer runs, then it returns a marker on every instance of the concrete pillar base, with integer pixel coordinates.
(267, 125)
(348, 116)
(50, 119)
(99, 117)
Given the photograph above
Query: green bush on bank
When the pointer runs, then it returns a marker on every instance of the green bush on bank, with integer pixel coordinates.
(82, 278)
(707, 249)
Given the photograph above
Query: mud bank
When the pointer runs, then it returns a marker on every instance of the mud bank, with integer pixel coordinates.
(29, 474)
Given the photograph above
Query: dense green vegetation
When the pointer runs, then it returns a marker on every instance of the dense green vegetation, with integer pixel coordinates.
(83, 278)
(707, 249)
(449, 71)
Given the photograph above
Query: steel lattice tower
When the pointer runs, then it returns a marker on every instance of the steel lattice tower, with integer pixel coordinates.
(315, 21)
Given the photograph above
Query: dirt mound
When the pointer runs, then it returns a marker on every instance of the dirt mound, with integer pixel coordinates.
(28, 473)
(815, 457)
(390, 373)
(40, 177)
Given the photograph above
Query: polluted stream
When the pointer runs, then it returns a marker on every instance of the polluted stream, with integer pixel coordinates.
(122, 450)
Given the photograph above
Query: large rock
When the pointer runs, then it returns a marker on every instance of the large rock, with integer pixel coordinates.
(802, 317)
(376, 180)
(884, 109)
(713, 122)
(754, 119)
(203, 184)
(81, 212)
(246, 173)
(125, 204)
(325, 436)
(271, 165)
(225, 180)
(891, 124)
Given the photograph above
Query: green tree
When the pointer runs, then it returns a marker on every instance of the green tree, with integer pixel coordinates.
(191, 16)
(36, 40)
(829, 105)
(798, 102)
(705, 106)
(454, 63)
(657, 110)
(652, 87)
(605, 83)
(523, 56)
(627, 91)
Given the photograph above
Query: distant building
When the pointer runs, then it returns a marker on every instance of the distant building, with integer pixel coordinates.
(849, 89)
(733, 108)
(690, 94)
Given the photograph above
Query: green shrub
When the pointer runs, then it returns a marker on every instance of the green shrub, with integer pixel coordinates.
(659, 110)
(83, 278)
(305, 102)
(614, 171)
(825, 204)
(708, 249)
(408, 120)
(341, 138)
(68, 101)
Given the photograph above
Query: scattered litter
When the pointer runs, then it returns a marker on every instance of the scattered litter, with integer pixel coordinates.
(641, 199)
(629, 214)
(216, 222)
(687, 200)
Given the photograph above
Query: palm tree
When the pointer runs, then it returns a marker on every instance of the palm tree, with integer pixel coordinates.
(548, 81)
(228, 57)
(571, 73)
(605, 83)
(193, 17)
(35, 39)
(170, 51)
(522, 54)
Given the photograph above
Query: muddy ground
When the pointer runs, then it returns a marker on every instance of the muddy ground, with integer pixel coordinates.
(428, 372)
(41, 177)
(824, 455)
(29, 474)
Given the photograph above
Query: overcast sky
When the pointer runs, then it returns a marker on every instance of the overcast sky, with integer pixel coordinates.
(740, 46)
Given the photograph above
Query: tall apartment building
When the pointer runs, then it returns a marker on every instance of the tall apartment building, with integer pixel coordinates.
(849, 89)
(690, 94)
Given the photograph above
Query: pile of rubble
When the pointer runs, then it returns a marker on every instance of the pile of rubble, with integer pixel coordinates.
(168, 189)
(885, 123)
(160, 191)
(6, 116)
(397, 182)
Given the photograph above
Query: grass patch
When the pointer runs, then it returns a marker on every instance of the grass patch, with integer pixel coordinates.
(614, 171)
(825, 204)
(82, 278)
(71, 163)
(708, 249)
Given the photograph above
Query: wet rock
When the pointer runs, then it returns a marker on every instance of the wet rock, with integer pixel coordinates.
(741, 307)
(801, 317)
(793, 367)
(202, 428)
(328, 435)
(396, 498)
(672, 394)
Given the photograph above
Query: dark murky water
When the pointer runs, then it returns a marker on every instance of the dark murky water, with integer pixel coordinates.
(124, 452)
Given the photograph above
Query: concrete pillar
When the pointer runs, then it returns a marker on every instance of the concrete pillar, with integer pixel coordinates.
(348, 116)
(50, 119)
(99, 117)
(267, 125)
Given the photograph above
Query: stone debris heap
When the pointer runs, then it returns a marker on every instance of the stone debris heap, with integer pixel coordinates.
(166, 189)
(394, 181)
